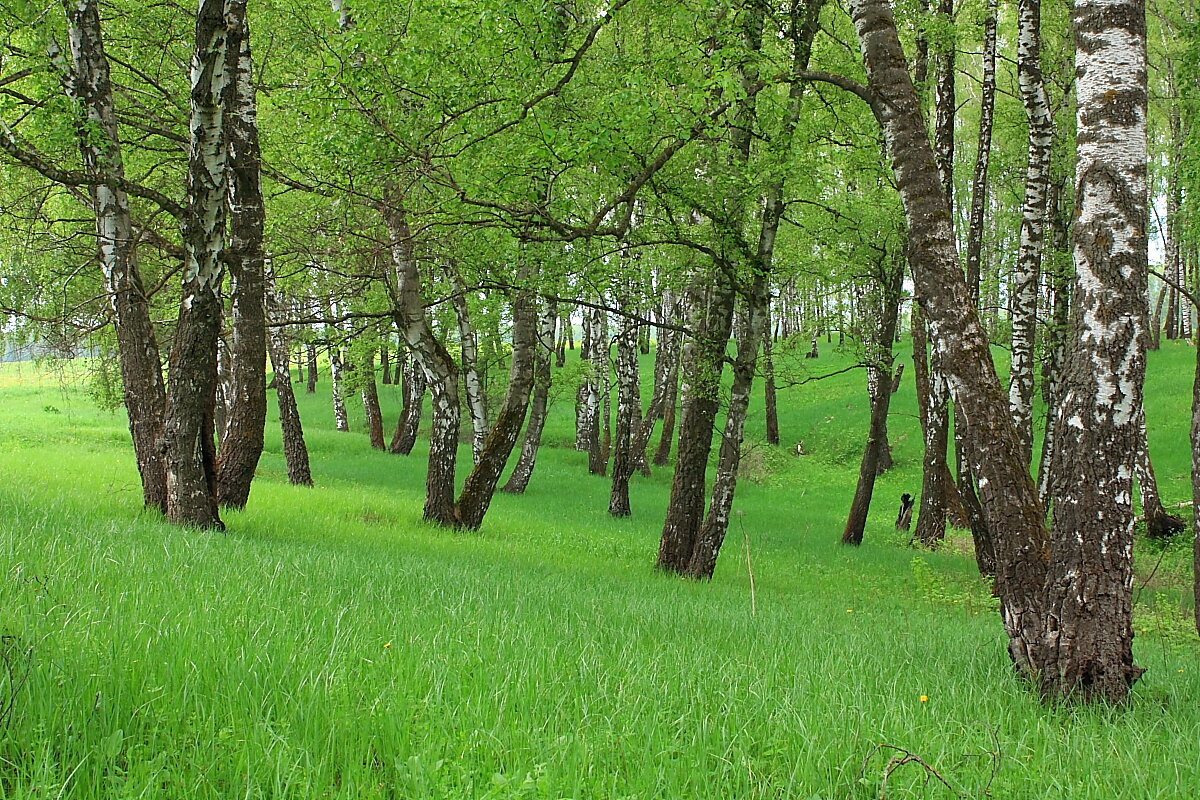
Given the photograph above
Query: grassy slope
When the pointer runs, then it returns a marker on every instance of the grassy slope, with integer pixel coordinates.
(332, 646)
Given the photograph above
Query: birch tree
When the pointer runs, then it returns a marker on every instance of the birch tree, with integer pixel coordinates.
(191, 385)
(88, 82)
(1033, 216)
(1090, 589)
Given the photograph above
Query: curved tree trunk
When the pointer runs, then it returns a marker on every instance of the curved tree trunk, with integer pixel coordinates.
(877, 441)
(295, 451)
(480, 485)
(242, 434)
(1007, 492)
(90, 86)
(439, 366)
(408, 425)
(518, 482)
(370, 397)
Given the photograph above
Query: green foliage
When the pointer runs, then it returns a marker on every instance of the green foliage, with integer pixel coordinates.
(104, 382)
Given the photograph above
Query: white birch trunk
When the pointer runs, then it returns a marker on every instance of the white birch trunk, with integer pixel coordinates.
(1033, 222)
(1089, 649)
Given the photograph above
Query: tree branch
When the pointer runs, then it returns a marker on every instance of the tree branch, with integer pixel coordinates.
(33, 160)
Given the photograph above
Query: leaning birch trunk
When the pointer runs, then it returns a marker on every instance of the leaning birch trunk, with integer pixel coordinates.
(702, 362)
(518, 482)
(473, 383)
(712, 532)
(1089, 650)
(979, 181)
(90, 86)
(191, 385)
(1009, 500)
(413, 391)
(1033, 216)
(241, 443)
(439, 366)
(295, 451)
(881, 362)
(480, 486)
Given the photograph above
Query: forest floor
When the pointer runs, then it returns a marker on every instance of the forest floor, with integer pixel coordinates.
(332, 645)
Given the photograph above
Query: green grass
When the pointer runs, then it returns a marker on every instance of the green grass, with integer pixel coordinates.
(331, 645)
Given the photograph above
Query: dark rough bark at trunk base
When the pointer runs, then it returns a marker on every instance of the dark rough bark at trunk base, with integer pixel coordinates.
(703, 361)
(1088, 646)
(409, 423)
(443, 449)
(189, 429)
(295, 451)
(90, 85)
(480, 486)
(243, 433)
(370, 398)
(877, 443)
(518, 481)
(1161, 525)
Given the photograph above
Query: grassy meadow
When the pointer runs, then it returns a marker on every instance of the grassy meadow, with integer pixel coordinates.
(331, 645)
